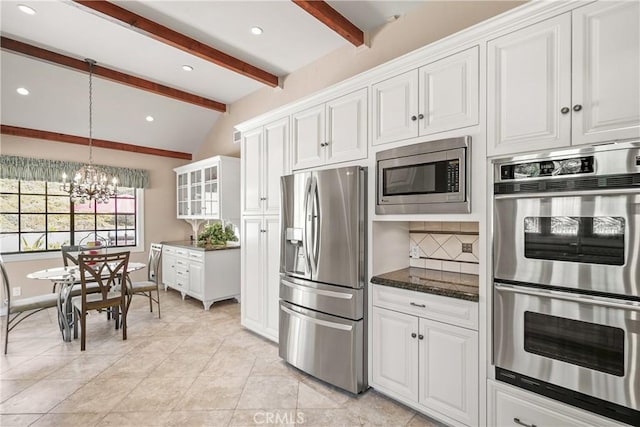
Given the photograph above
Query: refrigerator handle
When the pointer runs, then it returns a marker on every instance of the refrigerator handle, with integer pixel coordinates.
(305, 241)
(316, 223)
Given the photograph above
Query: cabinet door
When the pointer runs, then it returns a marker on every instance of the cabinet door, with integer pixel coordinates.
(276, 163)
(449, 370)
(347, 128)
(196, 278)
(449, 93)
(308, 135)
(195, 193)
(395, 108)
(211, 192)
(252, 293)
(251, 171)
(182, 194)
(168, 270)
(606, 72)
(395, 352)
(528, 85)
(271, 263)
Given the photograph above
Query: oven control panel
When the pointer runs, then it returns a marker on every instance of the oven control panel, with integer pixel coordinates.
(548, 168)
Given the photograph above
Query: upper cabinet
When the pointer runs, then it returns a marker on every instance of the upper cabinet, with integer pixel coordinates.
(437, 97)
(265, 158)
(333, 132)
(209, 189)
(572, 79)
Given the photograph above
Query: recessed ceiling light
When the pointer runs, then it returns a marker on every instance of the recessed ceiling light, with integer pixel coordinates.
(187, 67)
(256, 30)
(26, 9)
(149, 118)
(22, 91)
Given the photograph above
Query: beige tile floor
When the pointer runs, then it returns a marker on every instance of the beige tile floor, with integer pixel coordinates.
(191, 368)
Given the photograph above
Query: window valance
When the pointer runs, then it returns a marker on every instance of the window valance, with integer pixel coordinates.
(29, 169)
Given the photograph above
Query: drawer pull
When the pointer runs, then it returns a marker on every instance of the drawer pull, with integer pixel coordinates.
(517, 421)
(418, 305)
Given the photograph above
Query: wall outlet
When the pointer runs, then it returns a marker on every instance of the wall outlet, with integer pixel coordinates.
(414, 252)
(467, 247)
(17, 291)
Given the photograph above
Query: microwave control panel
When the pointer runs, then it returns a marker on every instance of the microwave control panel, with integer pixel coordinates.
(548, 168)
(453, 176)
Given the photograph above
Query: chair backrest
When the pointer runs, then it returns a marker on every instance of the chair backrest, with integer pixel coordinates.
(153, 267)
(70, 253)
(107, 270)
(5, 282)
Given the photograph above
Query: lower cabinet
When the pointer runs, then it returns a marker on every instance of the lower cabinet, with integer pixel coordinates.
(426, 363)
(511, 406)
(260, 275)
(208, 276)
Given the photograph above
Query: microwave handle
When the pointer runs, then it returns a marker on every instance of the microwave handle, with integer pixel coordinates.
(582, 299)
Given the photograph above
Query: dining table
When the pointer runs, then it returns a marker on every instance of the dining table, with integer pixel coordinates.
(64, 279)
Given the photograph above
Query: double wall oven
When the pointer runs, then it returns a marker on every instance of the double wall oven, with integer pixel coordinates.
(566, 315)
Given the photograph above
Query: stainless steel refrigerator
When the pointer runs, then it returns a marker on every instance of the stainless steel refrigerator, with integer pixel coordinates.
(323, 268)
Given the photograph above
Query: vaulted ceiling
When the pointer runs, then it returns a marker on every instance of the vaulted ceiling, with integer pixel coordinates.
(141, 48)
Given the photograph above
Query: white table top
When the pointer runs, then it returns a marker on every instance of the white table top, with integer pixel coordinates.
(64, 273)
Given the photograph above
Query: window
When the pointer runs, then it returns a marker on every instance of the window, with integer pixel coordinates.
(36, 216)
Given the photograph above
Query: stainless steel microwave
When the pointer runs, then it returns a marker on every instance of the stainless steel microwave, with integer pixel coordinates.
(430, 177)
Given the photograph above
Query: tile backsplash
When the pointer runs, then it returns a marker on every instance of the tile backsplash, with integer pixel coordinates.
(446, 246)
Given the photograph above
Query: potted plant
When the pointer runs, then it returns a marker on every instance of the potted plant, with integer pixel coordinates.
(215, 235)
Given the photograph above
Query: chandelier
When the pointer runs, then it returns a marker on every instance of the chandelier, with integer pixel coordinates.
(89, 182)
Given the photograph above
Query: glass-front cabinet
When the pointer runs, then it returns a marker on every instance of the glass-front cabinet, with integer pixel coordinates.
(209, 189)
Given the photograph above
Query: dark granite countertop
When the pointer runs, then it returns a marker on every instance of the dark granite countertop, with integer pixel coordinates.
(192, 244)
(445, 283)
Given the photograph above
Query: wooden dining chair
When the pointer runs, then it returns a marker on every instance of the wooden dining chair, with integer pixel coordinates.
(109, 271)
(152, 284)
(22, 308)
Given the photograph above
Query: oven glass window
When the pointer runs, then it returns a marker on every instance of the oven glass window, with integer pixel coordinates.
(423, 178)
(594, 240)
(590, 345)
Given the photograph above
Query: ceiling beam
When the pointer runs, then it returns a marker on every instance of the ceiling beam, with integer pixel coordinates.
(109, 74)
(101, 143)
(333, 19)
(179, 41)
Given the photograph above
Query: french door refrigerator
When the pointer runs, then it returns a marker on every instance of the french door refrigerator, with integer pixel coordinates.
(322, 282)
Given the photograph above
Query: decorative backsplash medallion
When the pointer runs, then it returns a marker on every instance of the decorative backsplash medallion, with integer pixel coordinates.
(446, 246)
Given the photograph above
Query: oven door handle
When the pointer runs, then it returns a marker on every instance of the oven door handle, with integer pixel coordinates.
(575, 193)
(583, 299)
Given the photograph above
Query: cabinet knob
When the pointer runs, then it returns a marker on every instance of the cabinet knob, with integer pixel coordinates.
(420, 337)
(413, 335)
(577, 107)
(420, 116)
(414, 118)
(565, 110)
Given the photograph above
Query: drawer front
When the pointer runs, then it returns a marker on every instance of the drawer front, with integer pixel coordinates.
(182, 252)
(169, 249)
(435, 307)
(196, 255)
(513, 407)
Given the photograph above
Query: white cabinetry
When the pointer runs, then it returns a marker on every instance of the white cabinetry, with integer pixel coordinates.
(436, 97)
(332, 132)
(422, 356)
(208, 276)
(572, 79)
(260, 274)
(265, 158)
(510, 406)
(208, 189)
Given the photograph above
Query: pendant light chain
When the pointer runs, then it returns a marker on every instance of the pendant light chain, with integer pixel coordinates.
(91, 63)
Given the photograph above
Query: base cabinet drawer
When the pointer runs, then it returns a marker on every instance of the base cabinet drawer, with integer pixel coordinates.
(512, 407)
